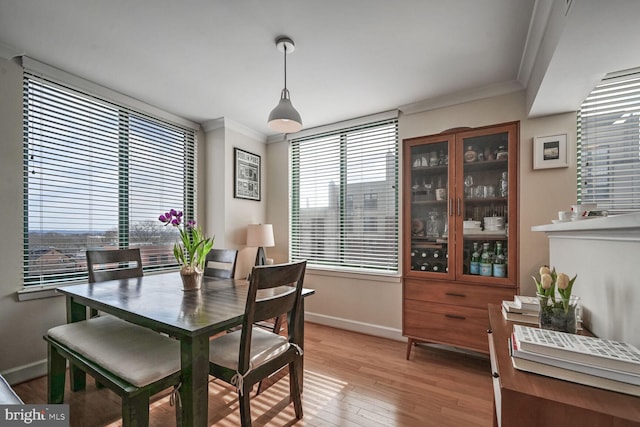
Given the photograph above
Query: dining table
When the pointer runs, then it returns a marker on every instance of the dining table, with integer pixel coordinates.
(157, 301)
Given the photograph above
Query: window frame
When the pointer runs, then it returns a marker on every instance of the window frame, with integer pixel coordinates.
(128, 117)
(347, 203)
(608, 144)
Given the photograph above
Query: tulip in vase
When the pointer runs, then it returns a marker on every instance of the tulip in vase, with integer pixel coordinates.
(558, 313)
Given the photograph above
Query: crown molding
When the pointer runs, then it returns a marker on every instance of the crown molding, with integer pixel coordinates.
(462, 97)
(226, 123)
(537, 27)
(8, 52)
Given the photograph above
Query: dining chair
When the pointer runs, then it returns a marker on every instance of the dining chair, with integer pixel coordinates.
(246, 356)
(221, 263)
(113, 264)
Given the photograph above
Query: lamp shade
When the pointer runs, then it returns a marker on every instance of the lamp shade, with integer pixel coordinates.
(284, 118)
(260, 235)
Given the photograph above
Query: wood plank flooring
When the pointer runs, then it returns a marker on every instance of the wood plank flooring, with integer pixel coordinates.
(350, 379)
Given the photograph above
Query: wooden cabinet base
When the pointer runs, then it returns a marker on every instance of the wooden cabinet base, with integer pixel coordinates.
(449, 313)
(527, 399)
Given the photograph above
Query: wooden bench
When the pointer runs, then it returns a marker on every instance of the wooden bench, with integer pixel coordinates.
(133, 361)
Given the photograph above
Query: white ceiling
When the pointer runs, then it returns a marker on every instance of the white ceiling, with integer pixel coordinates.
(207, 59)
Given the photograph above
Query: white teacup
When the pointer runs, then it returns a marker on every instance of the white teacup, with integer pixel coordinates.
(564, 215)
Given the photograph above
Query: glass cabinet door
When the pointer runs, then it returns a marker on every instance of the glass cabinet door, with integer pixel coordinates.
(484, 188)
(430, 199)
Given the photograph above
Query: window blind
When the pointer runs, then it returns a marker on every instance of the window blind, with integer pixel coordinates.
(96, 176)
(609, 145)
(344, 210)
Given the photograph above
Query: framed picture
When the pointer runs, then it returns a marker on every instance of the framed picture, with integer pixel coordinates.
(247, 175)
(550, 152)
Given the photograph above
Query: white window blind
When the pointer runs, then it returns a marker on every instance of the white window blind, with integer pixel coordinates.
(96, 176)
(609, 145)
(345, 199)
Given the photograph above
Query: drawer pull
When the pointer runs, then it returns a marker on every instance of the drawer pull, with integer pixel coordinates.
(489, 331)
(495, 375)
(455, 316)
(454, 294)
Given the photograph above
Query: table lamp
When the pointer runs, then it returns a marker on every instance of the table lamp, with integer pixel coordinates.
(260, 236)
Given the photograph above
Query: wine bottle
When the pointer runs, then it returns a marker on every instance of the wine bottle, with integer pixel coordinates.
(437, 267)
(474, 267)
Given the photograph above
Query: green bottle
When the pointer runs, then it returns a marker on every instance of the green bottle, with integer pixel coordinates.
(486, 268)
(474, 267)
(499, 264)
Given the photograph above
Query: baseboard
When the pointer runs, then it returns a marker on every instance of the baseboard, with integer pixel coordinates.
(355, 326)
(377, 331)
(24, 373)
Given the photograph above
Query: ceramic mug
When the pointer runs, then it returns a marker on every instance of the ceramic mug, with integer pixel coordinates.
(564, 215)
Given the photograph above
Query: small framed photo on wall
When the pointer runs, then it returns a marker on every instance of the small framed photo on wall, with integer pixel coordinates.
(550, 152)
(246, 183)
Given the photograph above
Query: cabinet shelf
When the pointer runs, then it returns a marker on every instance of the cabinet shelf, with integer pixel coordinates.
(483, 165)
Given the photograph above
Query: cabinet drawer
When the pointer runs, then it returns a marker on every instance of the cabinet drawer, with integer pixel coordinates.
(448, 324)
(478, 296)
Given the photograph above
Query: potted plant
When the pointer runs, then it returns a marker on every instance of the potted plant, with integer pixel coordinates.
(191, 252)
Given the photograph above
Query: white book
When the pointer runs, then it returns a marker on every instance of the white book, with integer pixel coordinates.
(511, 307)
(611, 374)
(526, 302)
(518, 317)
(578, 348)
(573, 376)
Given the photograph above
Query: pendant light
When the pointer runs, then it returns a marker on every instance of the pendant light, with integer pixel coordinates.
(284, 118)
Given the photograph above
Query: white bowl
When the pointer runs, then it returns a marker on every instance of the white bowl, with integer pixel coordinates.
(493, 220)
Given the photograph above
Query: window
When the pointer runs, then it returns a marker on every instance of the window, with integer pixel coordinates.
(96, 176)
(609, 144)
(348, 179)
(371, 201)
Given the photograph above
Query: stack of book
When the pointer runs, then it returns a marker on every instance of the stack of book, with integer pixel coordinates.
(522, 309)
(592, 361)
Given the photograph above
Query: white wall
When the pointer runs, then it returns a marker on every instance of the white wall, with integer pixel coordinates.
(226, 216)
(371, 304)
(22, 324)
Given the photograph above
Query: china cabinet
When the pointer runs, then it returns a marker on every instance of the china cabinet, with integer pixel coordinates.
(460, 232)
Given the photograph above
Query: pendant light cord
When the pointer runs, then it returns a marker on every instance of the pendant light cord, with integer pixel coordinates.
(285, 66)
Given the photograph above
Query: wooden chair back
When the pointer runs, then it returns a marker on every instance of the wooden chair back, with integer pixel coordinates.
(274, 291)
(113, 264)
(221, 263)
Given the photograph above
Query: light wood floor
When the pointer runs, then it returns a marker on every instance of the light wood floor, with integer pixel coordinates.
(350, 380)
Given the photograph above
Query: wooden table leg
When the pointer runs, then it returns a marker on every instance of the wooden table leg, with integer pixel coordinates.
(194, 391)
(299, 338)
(76, 313)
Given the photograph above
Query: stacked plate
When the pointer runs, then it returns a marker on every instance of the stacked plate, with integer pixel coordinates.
(471, 227)
(494, 223)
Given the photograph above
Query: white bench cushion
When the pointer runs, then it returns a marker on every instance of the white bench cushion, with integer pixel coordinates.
(224, 350)
(7, 395)
(136, 354)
